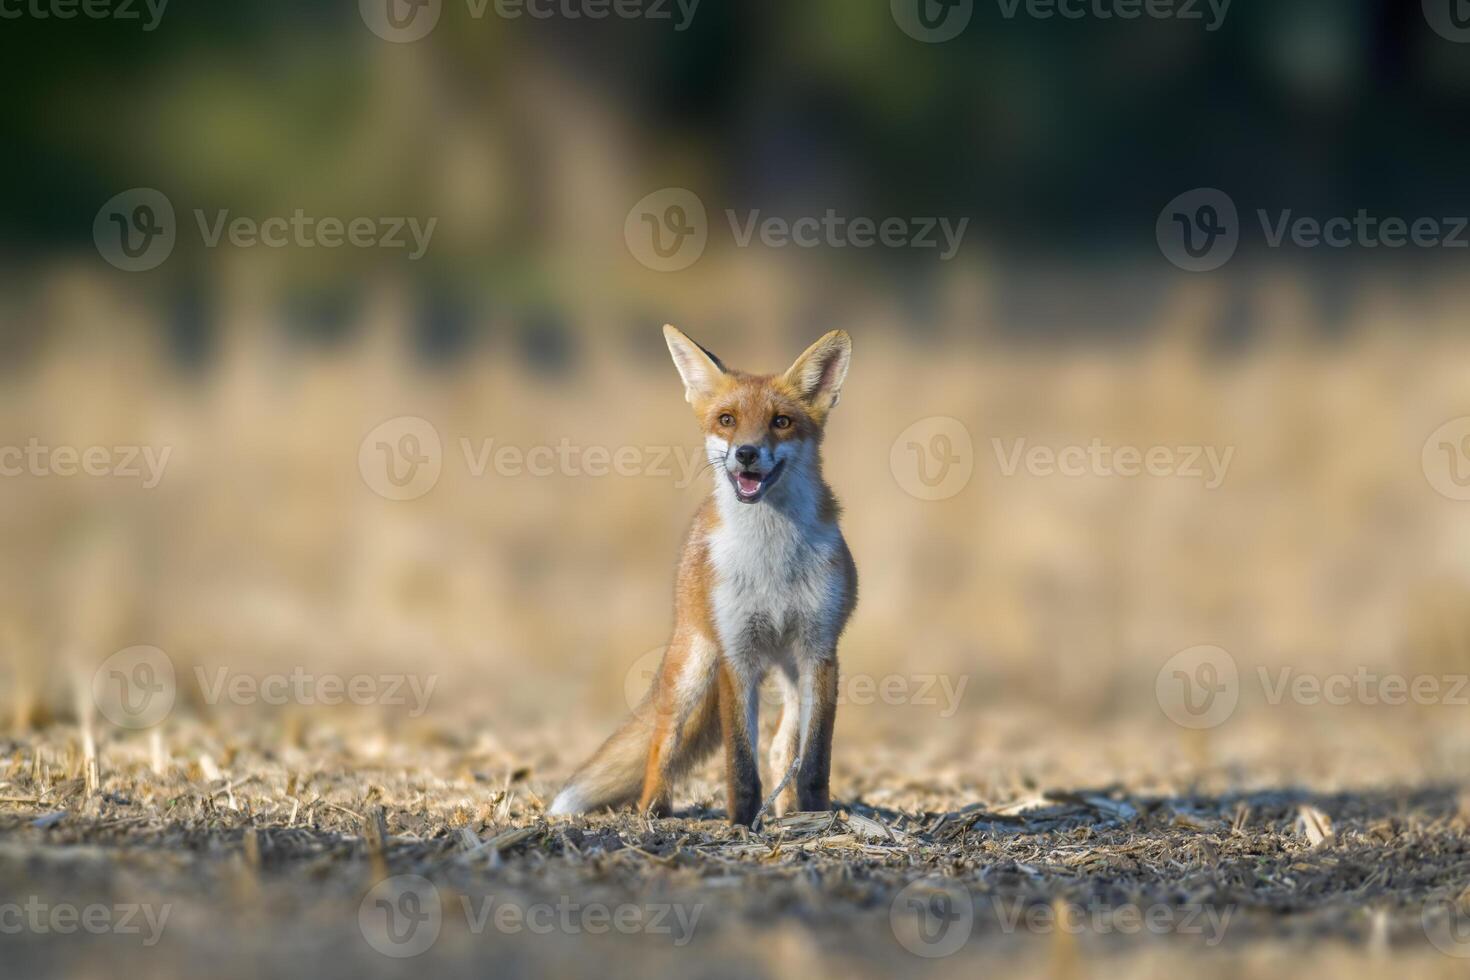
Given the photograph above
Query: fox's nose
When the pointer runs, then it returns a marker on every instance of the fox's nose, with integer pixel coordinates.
(747, 455)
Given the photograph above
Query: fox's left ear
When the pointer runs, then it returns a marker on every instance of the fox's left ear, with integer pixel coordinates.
(818, 374)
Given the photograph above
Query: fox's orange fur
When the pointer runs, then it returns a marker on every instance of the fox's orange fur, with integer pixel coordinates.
(765, 586)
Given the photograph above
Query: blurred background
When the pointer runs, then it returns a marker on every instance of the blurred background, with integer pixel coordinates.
(323, 416)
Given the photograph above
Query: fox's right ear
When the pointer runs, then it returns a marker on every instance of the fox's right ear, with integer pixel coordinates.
(698, 367)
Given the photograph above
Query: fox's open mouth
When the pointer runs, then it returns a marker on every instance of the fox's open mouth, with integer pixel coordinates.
(750, 487)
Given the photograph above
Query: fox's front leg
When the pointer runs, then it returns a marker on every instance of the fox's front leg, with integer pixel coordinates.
(740, 725)
(817, 686)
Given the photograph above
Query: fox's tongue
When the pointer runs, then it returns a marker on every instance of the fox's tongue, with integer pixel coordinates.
(747, 484)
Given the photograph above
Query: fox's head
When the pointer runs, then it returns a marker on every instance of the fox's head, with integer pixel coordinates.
(761, 428)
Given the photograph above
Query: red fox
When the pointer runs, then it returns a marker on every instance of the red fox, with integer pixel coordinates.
(765, 585)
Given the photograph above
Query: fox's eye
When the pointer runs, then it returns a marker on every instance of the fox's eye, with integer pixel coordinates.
(781, 422)
(727, 420)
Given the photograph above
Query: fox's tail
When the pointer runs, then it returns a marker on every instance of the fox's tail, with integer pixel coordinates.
(614, 775)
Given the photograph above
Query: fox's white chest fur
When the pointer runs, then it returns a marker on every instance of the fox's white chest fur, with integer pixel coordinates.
(777, 587)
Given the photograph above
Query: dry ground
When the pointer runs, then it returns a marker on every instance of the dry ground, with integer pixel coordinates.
(260, 852)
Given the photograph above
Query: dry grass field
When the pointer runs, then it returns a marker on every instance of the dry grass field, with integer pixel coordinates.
(372, 699)
(249, 855)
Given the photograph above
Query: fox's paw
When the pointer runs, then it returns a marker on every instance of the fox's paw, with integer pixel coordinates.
(658, 809)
